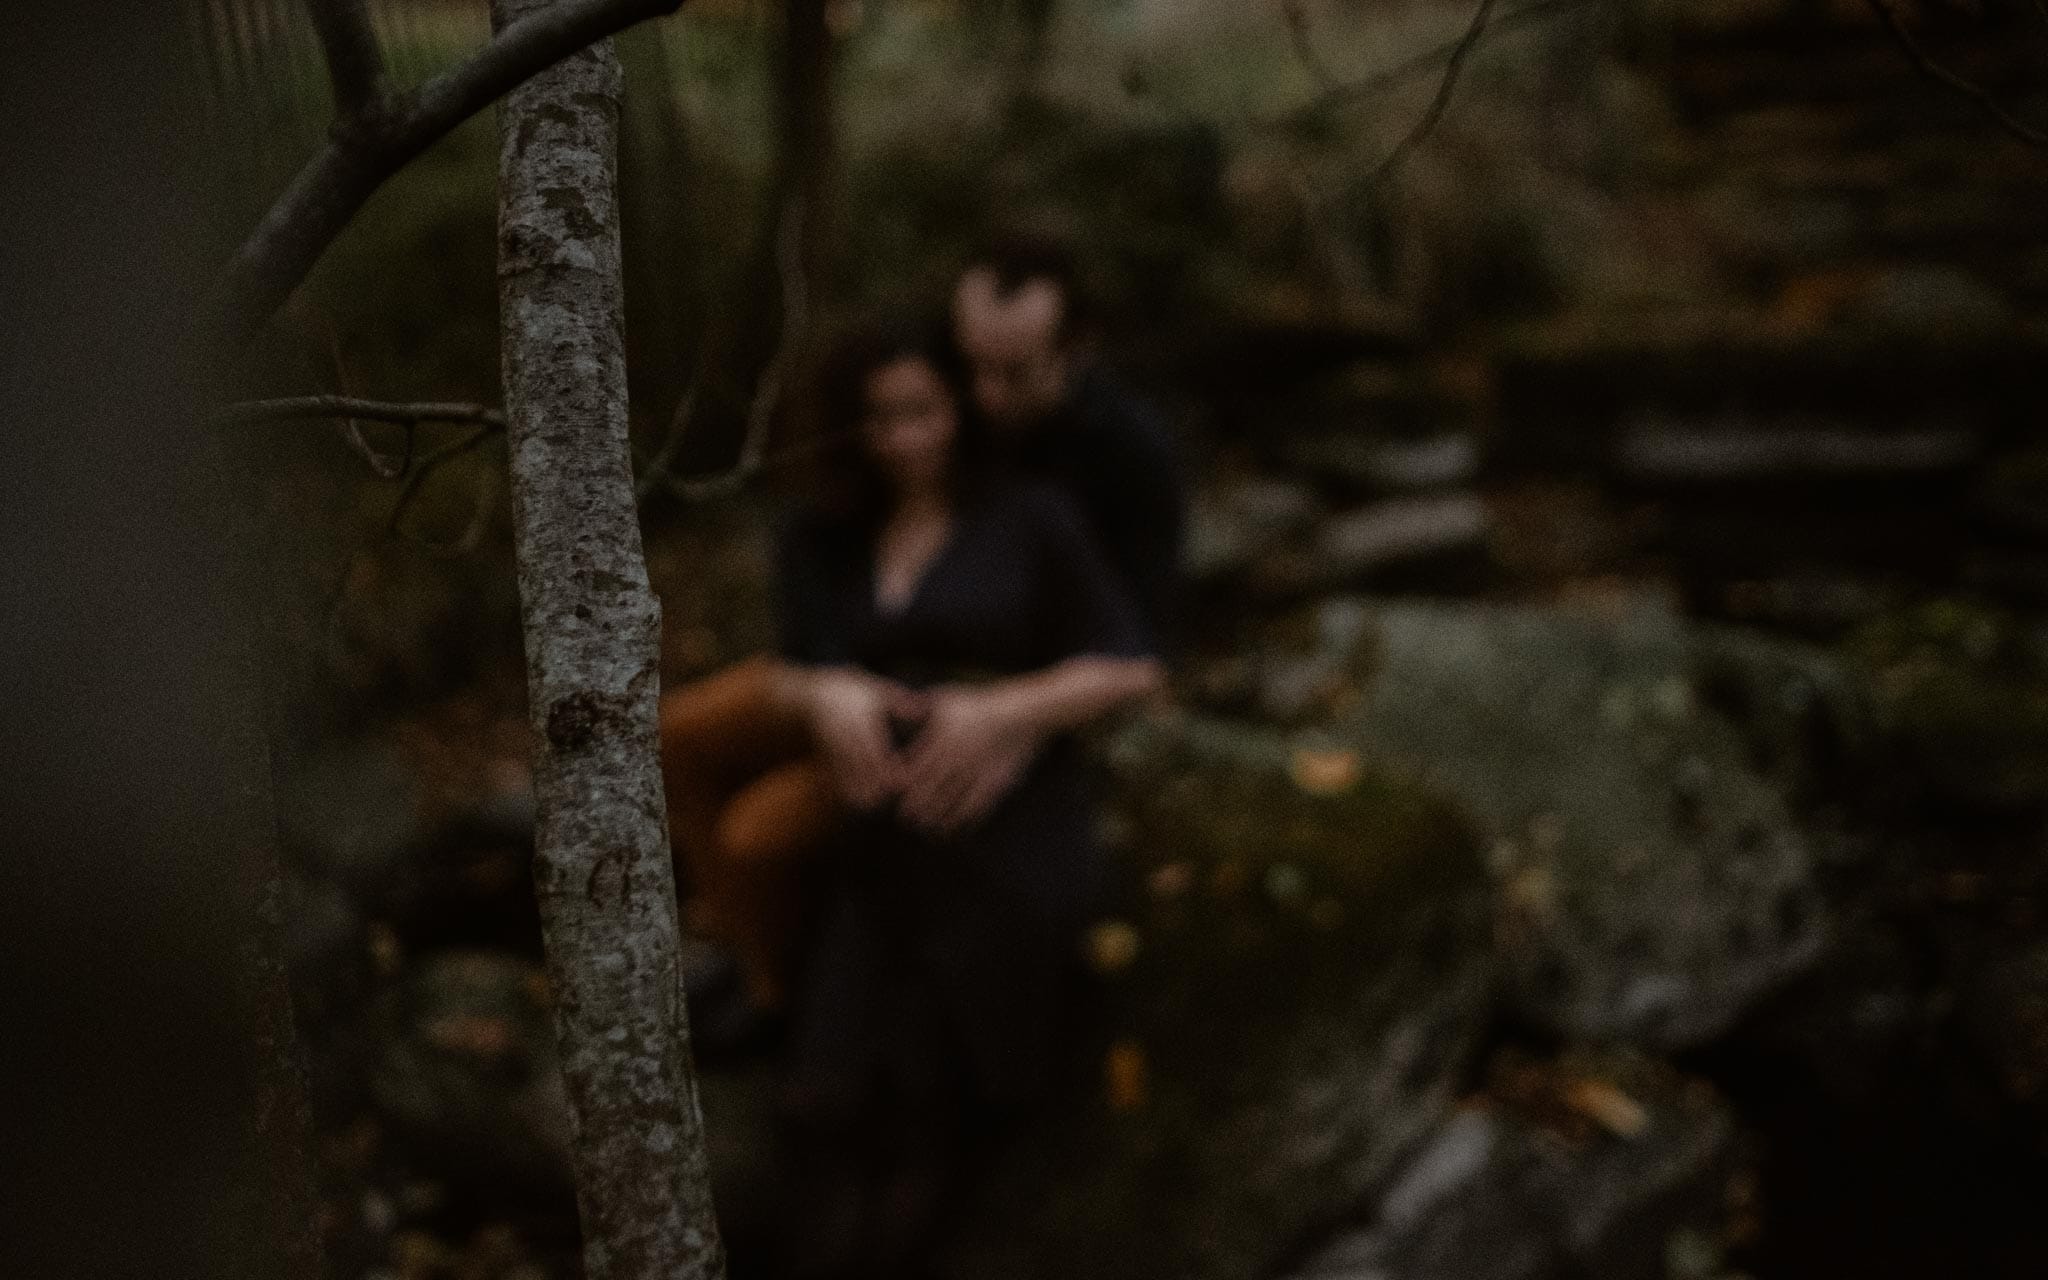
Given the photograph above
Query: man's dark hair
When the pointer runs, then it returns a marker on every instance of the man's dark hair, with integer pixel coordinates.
(1018, 258)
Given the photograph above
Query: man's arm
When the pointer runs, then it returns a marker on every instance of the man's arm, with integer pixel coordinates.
(977, 741)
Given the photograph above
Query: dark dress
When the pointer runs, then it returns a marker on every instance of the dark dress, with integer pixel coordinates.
(939, 964)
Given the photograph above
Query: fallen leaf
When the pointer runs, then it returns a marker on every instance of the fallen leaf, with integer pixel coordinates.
(473, 1034)
(1530, 892)
(1171, 880)
(1607, 1107)
(417, 1254)
(1113, 946)
(1284, 883)
(1127, 1076)
(1324, 772)
(386, 953)
(1546, 833)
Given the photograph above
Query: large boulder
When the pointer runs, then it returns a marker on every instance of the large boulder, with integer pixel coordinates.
(1655, 876)
(1298, 985)
(1598, 1167)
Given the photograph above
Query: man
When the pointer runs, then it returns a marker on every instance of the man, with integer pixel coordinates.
(756, 780)
(1023, 320)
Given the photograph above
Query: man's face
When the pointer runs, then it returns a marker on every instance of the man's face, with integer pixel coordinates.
(1013, 348)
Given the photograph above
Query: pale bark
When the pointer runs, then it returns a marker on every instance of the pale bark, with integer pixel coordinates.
(601, 860)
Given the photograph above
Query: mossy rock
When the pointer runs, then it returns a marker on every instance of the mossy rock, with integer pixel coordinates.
(1656, 877)
(1592, 1164)
(1961, 695)
(1291, 1001)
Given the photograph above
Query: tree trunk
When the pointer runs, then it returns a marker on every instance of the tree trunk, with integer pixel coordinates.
(601, 861)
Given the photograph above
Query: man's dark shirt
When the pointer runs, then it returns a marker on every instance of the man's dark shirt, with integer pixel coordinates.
(1109, 449)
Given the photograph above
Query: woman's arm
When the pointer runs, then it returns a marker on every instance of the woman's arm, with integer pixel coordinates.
(848, 711)
(977, 740)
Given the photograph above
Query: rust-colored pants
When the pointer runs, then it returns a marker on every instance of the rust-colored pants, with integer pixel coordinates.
(748, 802)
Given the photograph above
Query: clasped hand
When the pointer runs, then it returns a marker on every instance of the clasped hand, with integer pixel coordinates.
(969, 747)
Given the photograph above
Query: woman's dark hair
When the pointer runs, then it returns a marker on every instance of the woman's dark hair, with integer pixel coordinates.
(851, 483)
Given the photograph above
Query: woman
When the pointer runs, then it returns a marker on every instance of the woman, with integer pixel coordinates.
(945, 630)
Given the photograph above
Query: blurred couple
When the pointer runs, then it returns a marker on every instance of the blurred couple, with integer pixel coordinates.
(887, 823)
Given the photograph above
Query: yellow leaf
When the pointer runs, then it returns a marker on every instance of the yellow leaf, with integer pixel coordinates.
(1112, 946)
(1127, 1076)
(470, 1034)
(1171, 880)
(1324, 772)
(1607, 1107)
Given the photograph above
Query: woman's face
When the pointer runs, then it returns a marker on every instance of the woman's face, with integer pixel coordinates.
(910, 424)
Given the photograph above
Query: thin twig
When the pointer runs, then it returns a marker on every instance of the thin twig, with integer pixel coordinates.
(1296, 13)
(1466, 43)
(403, 412)
(355, 63)
(368, 145)
(734, 479)
(1354, 92)
(655, 473)
(407, 414)
(753, 457)
(1324, 234)
(1888, 11)
(426, 468)
(382, 465)
(789, 242)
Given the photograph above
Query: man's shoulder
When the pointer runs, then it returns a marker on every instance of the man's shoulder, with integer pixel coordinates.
(1121, 421)
(1032, 498)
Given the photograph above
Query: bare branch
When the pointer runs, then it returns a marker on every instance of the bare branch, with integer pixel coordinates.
(406, 414)
(403, 413)
(1360, 90)
(1888, 11)
(1466, 43)
(753, 458)
(355, 64)
(368, 146)
(383, 465)
(1296, 13)
(655, 474)
(428, 465)
(789, 261)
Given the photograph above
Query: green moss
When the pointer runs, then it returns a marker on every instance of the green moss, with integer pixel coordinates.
(1290, 894)
(1963, 697)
